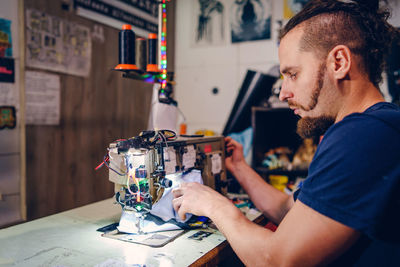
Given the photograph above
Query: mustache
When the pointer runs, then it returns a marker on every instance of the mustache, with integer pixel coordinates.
(293, 104)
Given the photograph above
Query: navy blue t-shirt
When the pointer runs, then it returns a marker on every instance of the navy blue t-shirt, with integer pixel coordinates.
(354, 179)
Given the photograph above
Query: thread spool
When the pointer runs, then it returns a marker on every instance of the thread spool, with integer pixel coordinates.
(141, 53)
(152, 55)
(183, 128)
(126, 52)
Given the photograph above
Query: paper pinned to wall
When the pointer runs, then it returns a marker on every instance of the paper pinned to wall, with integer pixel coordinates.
(8, 94)
(247, 25)
(42, 98)
(56, 44)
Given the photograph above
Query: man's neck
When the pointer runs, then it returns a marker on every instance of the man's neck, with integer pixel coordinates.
(358, 98)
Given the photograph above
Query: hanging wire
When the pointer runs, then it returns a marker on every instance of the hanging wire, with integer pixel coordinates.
(119, 200)
(183, 115)
(109, 167)
(158, 187)
(101, 164)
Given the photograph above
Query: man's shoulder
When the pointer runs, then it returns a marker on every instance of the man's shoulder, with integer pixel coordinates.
(383, 112)
(381, 120)
(364, 144)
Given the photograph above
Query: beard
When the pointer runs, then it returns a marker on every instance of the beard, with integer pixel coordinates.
(308, 127)
(312, 127)
(319, 84)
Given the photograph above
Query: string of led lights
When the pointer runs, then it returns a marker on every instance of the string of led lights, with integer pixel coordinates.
(163, 43)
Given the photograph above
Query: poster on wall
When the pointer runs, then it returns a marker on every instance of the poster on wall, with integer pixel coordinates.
(5, 38)
(42, 98)
(57, 45)
(7, 73)
(291, 7)
(208, 22)
(7, 117)
(141, 14)
(250, 20)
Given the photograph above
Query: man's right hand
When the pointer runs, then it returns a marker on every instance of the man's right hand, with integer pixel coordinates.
(234, 154)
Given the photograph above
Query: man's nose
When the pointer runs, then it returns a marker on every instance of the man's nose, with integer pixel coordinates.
(285, 93)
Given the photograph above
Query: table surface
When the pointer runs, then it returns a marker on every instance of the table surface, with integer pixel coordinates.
(70, 239)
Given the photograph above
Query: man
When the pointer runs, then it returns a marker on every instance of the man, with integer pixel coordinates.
(348, 209)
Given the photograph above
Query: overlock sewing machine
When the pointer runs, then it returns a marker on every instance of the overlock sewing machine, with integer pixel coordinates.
(140, 166)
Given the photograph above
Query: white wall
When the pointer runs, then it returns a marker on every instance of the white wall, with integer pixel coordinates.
(198, 69)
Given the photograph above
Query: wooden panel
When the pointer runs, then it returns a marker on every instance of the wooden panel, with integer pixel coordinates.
(10, 210)
(94, 111)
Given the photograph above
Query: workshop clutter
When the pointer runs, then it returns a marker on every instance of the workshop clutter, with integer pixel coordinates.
(281, 161)
(279, 158)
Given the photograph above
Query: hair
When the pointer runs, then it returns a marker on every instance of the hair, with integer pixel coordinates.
(359, 25)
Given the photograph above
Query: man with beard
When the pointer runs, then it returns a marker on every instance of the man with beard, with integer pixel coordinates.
(347, 213)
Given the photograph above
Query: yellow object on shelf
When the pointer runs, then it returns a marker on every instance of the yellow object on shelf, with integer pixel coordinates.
(278, 181)
(205, 132)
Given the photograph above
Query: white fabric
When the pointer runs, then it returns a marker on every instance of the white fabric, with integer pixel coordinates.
(129, 220)
(163, 208)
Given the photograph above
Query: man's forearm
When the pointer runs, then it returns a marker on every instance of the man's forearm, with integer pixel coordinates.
(273, 203)
(247, 239)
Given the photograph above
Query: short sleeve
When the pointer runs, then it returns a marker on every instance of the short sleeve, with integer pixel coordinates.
(354, 176)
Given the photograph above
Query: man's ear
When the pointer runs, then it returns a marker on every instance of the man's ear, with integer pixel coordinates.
(339, 61)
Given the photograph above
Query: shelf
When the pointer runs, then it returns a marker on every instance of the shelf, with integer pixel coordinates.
(146, 76)
(141, 75)
(292, 173)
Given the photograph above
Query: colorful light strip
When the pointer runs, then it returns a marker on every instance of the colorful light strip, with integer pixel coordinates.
(163, 47)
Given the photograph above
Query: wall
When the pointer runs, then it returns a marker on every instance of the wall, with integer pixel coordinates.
(201, 68)
(95, 111)
(12, 208)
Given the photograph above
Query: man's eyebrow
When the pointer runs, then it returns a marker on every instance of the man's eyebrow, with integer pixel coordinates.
(287, 69)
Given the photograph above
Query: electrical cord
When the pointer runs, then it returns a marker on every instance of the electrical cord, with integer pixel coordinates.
(109, 167)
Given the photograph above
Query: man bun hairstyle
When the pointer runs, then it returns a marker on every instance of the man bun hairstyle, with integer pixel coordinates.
(360, 25)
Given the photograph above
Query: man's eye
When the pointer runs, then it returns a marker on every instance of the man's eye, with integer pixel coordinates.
(293, 76)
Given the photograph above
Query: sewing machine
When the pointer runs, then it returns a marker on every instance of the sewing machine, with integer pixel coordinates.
(140, 166)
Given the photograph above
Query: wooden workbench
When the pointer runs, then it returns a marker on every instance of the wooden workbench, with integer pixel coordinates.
(70, 239)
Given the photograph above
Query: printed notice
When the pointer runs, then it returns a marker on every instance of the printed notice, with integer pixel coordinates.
(8, 94)
(42, 98)
(56, 44)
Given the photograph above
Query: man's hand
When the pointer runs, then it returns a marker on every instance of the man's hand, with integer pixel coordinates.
(234, 156)
(273, 203)
(197, 199)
